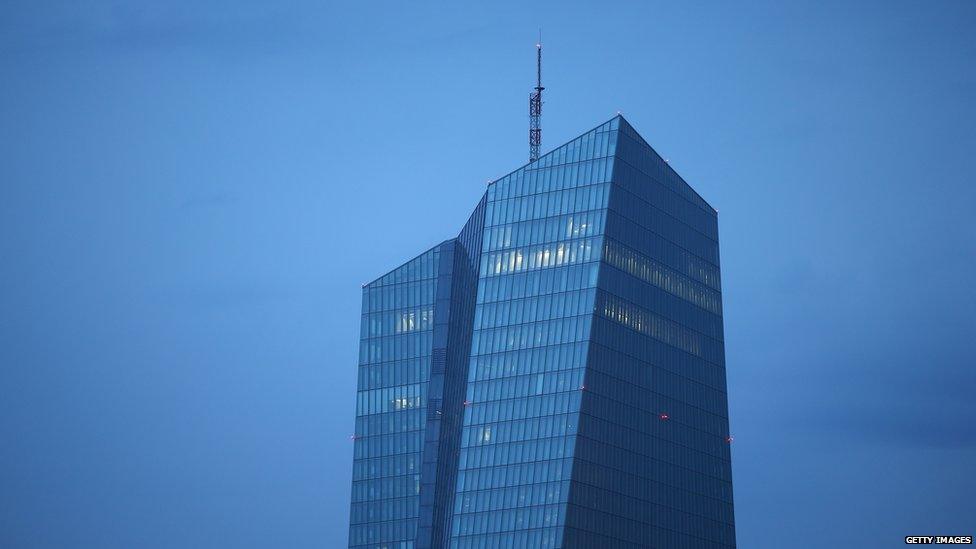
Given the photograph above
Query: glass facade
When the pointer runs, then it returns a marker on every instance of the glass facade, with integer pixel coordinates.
(391, 404)
(555, 376)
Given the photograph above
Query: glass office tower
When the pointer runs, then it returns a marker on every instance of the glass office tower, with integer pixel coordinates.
(555, 375)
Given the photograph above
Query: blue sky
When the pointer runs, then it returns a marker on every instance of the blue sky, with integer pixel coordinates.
(191, 195)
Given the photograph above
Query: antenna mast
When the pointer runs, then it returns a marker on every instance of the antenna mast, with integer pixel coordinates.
(535, 106)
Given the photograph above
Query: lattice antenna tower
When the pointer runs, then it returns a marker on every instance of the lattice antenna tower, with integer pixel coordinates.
(535, 106)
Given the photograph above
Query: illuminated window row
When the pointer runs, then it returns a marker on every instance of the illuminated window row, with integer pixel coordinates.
(391, 399)
(544, 230)
(396, 347)
(385, 488)
(533, 309)
(648, 270)
(522, 386)
(546, 281)
(523, 336)
(656, 246)
(510, 520)
(397, 322)
(528, 361)
(523, 408)
(511, 498)
(541, 256)
(514, 475)
(537, 206)
(662, 329)
(701, 270)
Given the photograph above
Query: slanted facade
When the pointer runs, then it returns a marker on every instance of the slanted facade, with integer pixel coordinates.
(555, 376)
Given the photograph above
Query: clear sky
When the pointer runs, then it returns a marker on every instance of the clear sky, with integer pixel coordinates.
(191, 195)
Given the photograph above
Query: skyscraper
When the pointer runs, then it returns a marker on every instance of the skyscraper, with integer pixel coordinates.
(555, 375)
